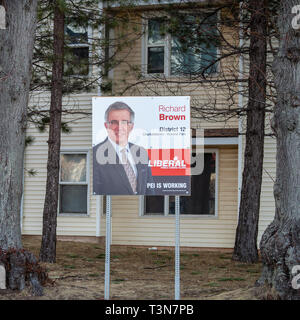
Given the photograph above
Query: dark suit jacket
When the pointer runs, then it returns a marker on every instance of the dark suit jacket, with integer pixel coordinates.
(109, 177)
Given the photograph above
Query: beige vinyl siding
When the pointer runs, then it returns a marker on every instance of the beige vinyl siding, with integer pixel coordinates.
(36, 158)
(126, 75)
(128, 228)
(267, 202)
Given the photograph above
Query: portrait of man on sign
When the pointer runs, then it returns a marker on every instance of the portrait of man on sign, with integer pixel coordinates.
(120, 167)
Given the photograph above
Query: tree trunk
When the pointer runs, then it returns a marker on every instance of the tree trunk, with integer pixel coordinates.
(48, 247)
(245, 248)
(280, 243)
(16, 47)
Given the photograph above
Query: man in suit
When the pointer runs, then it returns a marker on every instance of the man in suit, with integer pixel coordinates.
(120, 167)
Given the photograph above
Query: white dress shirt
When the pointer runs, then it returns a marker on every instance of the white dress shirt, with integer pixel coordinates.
(129, 155)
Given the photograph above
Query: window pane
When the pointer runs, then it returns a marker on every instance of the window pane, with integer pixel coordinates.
(73, 199)
(73, 168)
(154, 205)
(208, 55)
(209, 47)
(193, 54)
(156, 32)
(156, 59)
(184, 60)
(76, 34)
(202, 199)
(77, 61)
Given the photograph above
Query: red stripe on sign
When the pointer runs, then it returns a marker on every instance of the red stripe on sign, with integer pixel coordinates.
(170, 162)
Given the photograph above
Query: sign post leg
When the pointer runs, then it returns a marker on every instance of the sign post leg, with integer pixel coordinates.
(107, 248)
(177, 248)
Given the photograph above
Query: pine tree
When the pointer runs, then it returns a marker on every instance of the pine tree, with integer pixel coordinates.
(72, 69)
(245, 248)
(48, 246)
(195, 33)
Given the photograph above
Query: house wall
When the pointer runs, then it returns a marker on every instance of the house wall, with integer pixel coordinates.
(267, 203)
(36, 158)
(213, 91)
(128, 227)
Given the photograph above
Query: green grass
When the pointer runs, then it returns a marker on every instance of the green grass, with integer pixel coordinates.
(231, 279)
(73, 256)
(196, 272)
(225, 257)
(89, 259)
(117, 281)
(252, 271)
(212, 284)
(69, 266)
(94, 275)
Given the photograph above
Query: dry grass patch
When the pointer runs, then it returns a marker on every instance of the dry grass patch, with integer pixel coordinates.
(139, 273)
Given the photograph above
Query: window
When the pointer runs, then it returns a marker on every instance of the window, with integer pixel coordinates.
(169, 52)
(73, 193)
(156, 46)
(203, 199)
(155, 205)
(77, 51)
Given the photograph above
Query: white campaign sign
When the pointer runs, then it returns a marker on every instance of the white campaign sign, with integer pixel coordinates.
(157, 126)
(152, 134)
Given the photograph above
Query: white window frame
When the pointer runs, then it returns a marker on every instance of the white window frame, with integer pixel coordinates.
(142, 207)
(145, 45)
(167, 52)
(142, 199)
(87, 182)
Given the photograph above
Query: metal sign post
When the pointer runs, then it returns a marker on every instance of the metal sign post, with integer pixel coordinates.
(107, 248)
(163, 164)
(177, 248)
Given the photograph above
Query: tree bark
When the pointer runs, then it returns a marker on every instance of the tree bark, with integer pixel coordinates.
(245, 248)
(16, 50)
(280, 243)
(48, 246)
(16, 47)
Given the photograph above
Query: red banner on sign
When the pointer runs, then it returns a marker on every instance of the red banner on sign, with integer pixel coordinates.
(170, 162)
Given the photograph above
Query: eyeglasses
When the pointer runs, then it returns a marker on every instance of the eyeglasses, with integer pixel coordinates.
(115, 123)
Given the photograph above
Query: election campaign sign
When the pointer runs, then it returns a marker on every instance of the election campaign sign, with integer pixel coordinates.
(141, 145)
